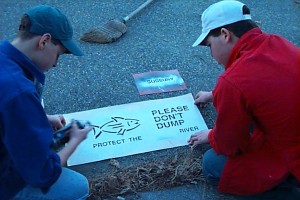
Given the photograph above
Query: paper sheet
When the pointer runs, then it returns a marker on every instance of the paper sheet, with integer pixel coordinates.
(138, 127)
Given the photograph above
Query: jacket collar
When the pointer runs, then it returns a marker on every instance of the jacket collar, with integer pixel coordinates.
(243, 44)
(23, 61)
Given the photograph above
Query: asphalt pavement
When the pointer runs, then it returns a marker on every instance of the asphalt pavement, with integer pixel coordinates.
(159, 38)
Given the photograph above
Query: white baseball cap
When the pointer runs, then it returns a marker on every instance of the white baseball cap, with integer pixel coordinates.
(220, 14)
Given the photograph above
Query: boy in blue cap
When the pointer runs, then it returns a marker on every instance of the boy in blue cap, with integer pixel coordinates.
(29, 168)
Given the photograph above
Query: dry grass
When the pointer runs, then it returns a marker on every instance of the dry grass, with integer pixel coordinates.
(148, 177)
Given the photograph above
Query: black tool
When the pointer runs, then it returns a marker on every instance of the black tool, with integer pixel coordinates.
(61, 137)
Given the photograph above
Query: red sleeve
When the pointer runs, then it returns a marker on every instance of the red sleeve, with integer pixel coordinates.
(211, 140)
(231, 133)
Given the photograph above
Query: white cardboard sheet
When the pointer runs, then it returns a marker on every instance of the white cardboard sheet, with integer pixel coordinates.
(138, 127)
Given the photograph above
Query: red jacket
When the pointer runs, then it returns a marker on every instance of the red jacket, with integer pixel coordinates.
(260, 88)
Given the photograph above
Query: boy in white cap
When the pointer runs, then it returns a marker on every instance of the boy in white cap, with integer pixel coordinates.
(256, 137)
(29, 168)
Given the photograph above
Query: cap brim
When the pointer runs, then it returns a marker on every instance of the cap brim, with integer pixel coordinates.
(72, 47)
(200, 39)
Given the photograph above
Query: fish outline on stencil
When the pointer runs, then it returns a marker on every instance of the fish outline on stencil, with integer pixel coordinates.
(118, 125)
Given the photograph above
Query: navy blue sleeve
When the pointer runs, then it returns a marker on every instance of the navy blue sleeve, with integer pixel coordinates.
(27, 138)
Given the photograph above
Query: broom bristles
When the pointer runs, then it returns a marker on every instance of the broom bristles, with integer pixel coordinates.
(107, 33)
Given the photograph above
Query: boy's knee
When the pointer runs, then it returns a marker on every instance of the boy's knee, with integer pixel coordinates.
(77, 185)
(80, 186)
(213, 164)
(206, 163)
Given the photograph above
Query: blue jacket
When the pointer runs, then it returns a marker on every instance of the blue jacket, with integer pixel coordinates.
(26, 135)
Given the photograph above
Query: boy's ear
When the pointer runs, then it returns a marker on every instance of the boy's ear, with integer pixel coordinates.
(226, 34)
(44, 39)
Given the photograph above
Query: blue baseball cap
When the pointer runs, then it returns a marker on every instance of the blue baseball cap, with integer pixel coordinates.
(47, 19)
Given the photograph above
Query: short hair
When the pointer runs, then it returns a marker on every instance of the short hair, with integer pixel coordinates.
(24, 28)
(24, 32)
(238, 28)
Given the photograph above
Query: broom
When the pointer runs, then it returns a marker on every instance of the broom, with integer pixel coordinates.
(112, 30)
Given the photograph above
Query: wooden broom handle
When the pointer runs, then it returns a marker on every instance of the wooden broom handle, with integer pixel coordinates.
(137, 10)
